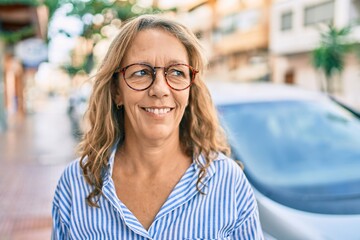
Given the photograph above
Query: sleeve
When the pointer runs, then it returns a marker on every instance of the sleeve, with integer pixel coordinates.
(248, 225)
(59, 230)
(61, 209)
(249, 229)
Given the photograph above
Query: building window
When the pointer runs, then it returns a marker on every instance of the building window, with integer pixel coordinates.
(286, 21)
(228, 24)
(248, 19)
(242, 21)
(319, 13)
(355, 12)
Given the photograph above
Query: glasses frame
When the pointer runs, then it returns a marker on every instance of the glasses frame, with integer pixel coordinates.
(192, 78)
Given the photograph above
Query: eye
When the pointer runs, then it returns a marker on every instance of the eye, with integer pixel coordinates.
(142, 73)
(176, 72)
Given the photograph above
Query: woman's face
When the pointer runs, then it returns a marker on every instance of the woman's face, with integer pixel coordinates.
(155, 113)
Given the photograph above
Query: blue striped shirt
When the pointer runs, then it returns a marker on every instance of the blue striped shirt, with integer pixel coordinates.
(228, 210)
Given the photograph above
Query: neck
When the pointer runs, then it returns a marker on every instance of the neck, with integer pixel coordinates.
(151, 158)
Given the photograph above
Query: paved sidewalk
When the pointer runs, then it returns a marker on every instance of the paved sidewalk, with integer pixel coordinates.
(33, 152)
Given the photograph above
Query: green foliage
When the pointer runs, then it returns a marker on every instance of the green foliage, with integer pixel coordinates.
(120, 8)
(25, 2)
(14, 37)
(72, 70)
(329, 57)
(52, 6)
(85, 67)
(102, 13)
(110, 10)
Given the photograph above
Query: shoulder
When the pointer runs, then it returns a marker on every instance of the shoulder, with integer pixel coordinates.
(70, 177)
(227, 170)
(239, 190)
(72, 171)
(64, 192)
(70, 187)
(224, 165)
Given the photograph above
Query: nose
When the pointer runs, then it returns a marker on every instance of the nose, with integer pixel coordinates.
(159, 88)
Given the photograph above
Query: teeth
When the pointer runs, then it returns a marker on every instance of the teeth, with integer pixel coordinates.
(158, 111)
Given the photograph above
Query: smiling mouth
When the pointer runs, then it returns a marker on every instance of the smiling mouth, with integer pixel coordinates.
(158, 111)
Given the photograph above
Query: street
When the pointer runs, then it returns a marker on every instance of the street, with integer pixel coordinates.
(33, 153)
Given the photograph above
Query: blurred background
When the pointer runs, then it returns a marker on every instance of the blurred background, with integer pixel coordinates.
(49, 49)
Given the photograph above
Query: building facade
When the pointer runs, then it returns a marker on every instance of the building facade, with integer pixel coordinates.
(235, 35)
(295, 33)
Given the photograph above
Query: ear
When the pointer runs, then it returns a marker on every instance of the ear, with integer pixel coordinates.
(118, 100)
(116, 93)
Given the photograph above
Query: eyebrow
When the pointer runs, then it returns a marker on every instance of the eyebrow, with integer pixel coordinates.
(168, 63)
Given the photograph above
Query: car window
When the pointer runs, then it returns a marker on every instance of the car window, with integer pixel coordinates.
(292, 136)
(295, 144)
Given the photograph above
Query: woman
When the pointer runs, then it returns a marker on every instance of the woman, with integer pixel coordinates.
(152, 164)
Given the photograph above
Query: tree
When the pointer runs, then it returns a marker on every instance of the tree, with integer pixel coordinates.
(329, 57)
(98, 14)
(13, 36)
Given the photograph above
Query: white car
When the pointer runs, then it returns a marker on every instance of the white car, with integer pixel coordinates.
(301, 153)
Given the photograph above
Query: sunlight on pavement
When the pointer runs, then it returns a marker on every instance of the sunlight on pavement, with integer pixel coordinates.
(33, 152)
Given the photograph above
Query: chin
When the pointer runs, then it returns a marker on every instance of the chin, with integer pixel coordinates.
(158, 134)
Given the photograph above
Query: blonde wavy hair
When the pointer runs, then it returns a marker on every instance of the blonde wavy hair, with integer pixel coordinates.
(200, 132)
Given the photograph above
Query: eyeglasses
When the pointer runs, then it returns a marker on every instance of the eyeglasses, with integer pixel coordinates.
(140, 76)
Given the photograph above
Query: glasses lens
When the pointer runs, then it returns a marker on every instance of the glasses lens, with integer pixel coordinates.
(179, 76)
(138, 76)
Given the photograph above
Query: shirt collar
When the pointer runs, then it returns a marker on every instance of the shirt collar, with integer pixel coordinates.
(107, 173)
(211, 169)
